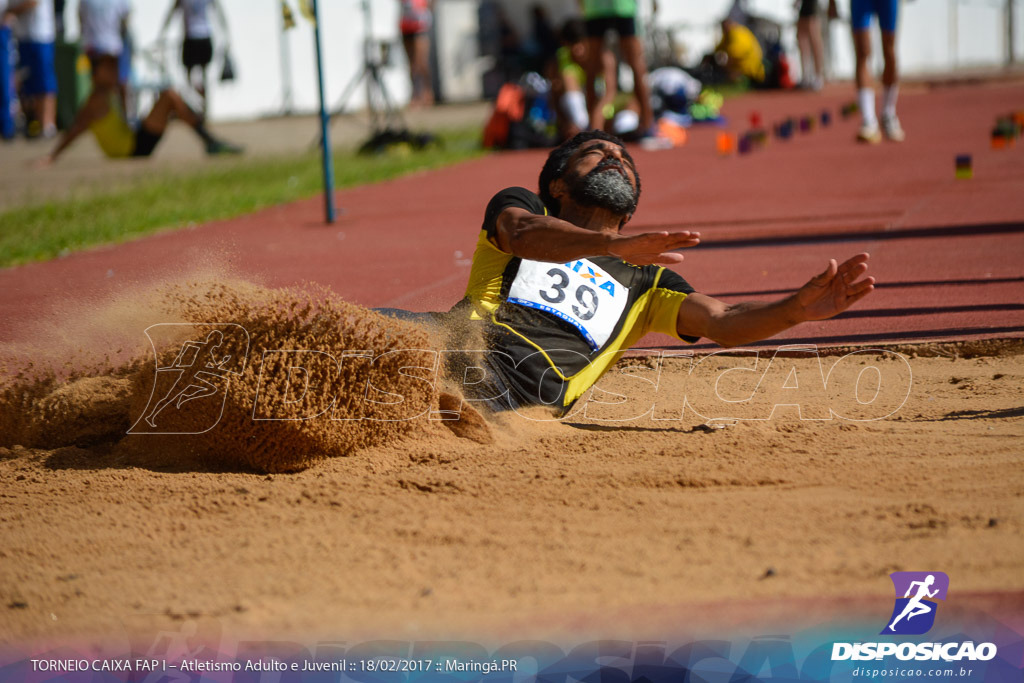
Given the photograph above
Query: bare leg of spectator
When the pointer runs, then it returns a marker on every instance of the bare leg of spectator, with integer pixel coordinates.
(633, 53)
(865, 92)
(170, 103)
(890, 89)
(592, 66)
(417, 52)
(808, 33)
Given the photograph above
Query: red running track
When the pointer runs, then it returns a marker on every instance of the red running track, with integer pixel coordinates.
(947, 253)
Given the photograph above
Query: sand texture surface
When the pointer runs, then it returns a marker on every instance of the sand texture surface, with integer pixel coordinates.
(896, 459)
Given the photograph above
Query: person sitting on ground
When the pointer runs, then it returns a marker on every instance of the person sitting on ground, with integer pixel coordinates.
(102, 114)
(556, 291)
(737, 58)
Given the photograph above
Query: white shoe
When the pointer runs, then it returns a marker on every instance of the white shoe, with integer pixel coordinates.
(892, 129)
(869, 134)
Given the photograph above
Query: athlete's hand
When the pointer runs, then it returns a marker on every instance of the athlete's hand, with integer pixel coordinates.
(836, 289)
(653, 247)
(41, 163)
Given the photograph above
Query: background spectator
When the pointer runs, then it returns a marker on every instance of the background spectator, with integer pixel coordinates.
(414, 24)
(544, 41)
(812, 49)
(737, 58)
(619, 16)
(36, 32)
(104, 25)
(861, 13)
(568, 80)
(197, 43)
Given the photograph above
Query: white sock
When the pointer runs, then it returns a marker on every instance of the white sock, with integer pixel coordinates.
(574, 104)
(889, 95)
(866, 100)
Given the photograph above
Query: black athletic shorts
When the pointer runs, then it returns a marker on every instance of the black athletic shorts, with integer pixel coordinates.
(623, 26)
(808, 8)
(196, 52)
(145, 142)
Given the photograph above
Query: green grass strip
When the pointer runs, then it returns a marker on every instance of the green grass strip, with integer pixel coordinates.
(175, 200)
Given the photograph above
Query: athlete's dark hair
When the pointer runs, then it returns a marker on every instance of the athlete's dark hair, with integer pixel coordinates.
(554, 167)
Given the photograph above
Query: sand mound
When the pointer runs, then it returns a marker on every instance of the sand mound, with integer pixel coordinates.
(79, 404)
(240, 375)
(82, 412)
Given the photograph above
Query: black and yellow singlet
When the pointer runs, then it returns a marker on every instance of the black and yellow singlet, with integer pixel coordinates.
(552, 329)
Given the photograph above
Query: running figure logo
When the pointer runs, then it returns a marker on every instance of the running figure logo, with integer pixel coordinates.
(914, 613)
(200, 371)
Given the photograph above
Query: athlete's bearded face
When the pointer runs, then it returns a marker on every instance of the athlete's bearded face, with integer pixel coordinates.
(603, 180)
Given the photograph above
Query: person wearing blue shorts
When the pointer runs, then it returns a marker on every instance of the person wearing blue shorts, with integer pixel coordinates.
(35, 31)
(861, 14)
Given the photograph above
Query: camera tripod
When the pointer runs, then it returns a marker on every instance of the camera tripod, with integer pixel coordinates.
(385, 118)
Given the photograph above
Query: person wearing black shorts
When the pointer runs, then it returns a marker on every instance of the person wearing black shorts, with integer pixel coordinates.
(197, 44)
(196, 53)
(812, 48)
(102, 114)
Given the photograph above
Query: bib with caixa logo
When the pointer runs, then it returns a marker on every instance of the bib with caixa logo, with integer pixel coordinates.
(579, 292)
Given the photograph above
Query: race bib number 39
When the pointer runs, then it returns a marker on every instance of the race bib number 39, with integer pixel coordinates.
(578, 292)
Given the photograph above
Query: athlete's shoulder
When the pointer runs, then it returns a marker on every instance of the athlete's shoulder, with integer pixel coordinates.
(511, 197)
(671, 280)
(518, 196)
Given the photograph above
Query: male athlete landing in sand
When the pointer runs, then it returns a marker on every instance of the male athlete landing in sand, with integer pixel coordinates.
(556, 292)
(915, 607)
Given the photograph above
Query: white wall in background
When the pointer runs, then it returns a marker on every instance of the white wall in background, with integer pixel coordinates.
(257, 44)
(935, 36)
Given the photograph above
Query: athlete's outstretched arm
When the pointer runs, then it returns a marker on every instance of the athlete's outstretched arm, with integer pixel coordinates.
(546, 238)
(824, 296)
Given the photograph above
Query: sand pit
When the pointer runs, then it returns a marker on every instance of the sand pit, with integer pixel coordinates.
(639, 502)
(241, 394)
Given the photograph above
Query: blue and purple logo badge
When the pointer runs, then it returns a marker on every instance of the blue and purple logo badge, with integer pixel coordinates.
(914, 612)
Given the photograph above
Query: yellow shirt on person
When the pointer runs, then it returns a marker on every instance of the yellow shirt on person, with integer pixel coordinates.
(744, 52)
(113, 134)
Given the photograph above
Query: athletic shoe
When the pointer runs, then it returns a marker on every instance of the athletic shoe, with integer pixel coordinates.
(656, 142)
(892, 129)
(220, 147)
(869, 134)
(814, 84)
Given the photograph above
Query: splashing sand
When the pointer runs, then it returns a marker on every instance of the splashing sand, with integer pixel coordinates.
(292, 392)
